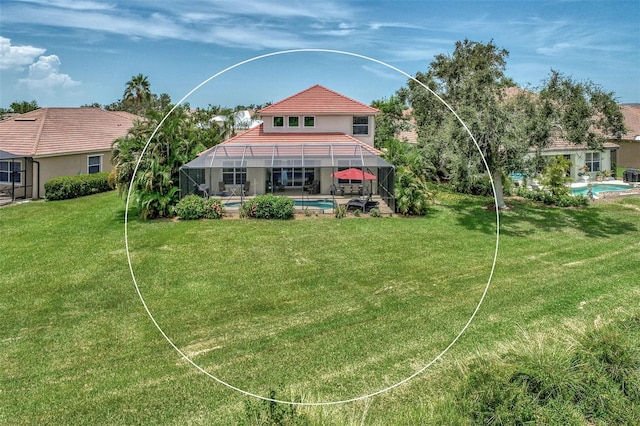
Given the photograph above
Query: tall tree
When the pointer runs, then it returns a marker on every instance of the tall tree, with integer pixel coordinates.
(391, 120)
(138, 93)
(505, 121)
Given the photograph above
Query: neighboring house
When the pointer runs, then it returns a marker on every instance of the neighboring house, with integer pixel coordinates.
(628, 155)
(301, 142)
(581, 157)
(50, 142)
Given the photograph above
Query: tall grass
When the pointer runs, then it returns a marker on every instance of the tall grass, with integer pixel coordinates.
(319, 309)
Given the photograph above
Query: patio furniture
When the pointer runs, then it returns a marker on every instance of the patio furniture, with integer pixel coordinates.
(245, 188)
(313, 187)
(222, 189)
(202, 190)
(362, 204)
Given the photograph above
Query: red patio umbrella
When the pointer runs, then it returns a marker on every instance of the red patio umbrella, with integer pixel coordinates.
(353, 174)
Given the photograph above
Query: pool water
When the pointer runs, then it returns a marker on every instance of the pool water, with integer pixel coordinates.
(318, 204)
(597, 188)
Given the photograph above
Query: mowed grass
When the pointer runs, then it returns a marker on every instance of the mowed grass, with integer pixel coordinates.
(319, 309)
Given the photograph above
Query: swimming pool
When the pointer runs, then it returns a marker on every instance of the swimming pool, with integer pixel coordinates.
(600, 187)
(325, 204)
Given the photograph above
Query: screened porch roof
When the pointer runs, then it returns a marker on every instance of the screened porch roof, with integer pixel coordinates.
(350, 153)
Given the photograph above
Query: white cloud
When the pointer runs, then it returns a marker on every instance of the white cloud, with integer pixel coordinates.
(44, 75)
(554, 50)
(17, 57)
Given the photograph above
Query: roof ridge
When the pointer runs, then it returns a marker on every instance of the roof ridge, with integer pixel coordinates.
(36, 143)
(315, 86)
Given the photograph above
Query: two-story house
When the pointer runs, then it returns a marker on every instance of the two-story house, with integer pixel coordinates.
(302, 141)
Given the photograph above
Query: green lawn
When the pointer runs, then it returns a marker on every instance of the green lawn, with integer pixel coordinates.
(318, 309)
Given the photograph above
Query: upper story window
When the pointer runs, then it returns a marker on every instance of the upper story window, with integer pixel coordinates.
(309, 122)
(294, 121)
(361, 125)
(10, 171)
(94, 164)
(278, 121)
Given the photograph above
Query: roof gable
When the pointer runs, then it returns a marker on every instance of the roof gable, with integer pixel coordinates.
(631, 115)
(318, 100)
(59, 131)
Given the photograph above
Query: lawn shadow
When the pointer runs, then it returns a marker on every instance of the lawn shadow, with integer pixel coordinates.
(525, 218)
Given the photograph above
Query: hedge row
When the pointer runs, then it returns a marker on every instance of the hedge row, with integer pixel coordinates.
(546, 197)
(65, 187)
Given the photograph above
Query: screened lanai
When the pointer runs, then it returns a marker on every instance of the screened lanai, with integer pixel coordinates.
(246, 169)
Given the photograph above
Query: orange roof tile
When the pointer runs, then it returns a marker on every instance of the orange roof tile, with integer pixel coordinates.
(318, 100)
(257, 135)
(59, 131)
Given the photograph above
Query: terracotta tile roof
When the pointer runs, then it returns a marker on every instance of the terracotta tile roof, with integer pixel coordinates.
(559, 144)
(59, 131)
(631, 115)
(257, 135)
(318, 100)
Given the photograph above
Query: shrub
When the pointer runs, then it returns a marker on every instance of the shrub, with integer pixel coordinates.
(374, 212)
(356, 213)
(66, 187)
(268, 206)
(195, 207)
(340, 212)
(560, 200)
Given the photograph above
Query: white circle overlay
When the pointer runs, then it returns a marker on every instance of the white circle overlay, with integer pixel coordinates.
(318, 403)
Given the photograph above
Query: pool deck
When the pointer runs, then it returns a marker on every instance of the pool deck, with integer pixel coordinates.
(634, 188)
(296, 194)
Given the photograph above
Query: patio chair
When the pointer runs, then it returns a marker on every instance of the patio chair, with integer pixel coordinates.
(313, 188)
(222, 189)
(362, 204)
(201, 190)
(245, 188)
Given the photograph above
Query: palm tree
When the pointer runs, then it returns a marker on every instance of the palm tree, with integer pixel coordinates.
(137, 91)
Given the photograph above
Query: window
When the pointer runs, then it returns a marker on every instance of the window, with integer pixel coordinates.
(278, 121)
(10, 171)
(294, 121)
(94, 164)
(360, 125)
(234, 175)
(592, 161)
(309, 122)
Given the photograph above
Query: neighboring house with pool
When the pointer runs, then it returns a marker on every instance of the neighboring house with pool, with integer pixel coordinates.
(302, 141)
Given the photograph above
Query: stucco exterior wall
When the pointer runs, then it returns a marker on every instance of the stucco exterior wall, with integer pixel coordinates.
(628, 154)
(323, 124)
(578, 160)
(66, 165)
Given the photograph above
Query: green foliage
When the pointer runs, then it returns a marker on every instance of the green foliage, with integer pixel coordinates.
(594, 381)
(390, 121)
(269, 413)
(340, 211)
(175, 143)
(65, 187)
(195, 207)
(412, 194)
(546, 197)
(268, 206)
(374, 212)
(554, 176)
(584, 113)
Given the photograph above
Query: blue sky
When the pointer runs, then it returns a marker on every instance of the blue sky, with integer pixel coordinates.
(70, 53)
